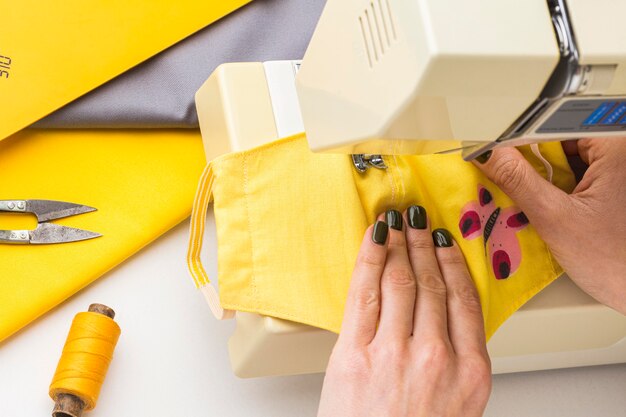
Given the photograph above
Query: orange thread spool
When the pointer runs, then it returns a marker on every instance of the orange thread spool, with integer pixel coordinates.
(84, 362)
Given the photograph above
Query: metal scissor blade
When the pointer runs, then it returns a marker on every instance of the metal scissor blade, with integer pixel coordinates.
(49, 209)
(49, 233)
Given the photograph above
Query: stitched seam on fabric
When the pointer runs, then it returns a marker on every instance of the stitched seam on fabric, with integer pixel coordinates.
(400, 180)
(193, 232)
(196, 235)
(261, 148)
(255, 290)
(191, 264)
(199, 238)
(396, 181)
(205, 197)
(389, 174)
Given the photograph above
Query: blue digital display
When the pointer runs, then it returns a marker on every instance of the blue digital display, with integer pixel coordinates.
(607, 113)
(614, 115)
(587, 115)
(599, 113)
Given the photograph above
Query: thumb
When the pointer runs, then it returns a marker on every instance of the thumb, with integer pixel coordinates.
(541, 201)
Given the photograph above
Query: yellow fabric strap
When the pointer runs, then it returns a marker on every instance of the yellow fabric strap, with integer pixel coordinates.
(196, 236)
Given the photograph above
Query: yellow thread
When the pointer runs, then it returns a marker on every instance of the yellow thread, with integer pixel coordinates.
(85, 359)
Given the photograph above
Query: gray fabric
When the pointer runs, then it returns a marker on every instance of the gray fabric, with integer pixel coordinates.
(160, 92)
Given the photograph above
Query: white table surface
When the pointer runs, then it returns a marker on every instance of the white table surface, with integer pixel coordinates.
(172, 359)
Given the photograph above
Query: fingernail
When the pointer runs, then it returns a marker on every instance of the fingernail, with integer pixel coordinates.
(394, 219)
(379, 235)
(442, 238)
(484, 157)
(417, 217)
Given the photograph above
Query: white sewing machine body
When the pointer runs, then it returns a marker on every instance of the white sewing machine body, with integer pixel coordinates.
(426, 76)
(387, 77)
(245, 105)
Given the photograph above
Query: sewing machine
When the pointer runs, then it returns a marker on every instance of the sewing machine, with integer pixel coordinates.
(411, 77)
(398, 72)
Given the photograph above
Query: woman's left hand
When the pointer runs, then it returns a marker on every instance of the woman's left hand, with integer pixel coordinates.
(412, 341)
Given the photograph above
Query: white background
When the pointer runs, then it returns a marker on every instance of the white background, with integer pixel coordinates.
(172, 357)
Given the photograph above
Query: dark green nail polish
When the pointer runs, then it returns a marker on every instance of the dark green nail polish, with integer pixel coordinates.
(442, 238)
(417, 217)
(379, 235)
(484, 157)
(394, 219)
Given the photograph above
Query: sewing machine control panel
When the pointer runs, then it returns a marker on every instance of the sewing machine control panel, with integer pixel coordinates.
(587, 115)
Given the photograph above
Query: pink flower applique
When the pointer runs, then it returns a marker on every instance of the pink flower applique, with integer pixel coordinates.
(498, 227)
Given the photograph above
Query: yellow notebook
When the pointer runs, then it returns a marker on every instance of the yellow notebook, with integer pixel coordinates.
(141, 181)
(52, 52)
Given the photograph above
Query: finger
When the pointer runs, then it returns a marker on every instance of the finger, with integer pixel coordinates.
(363, 303)
(586, 150)
(601, 155)
(465, 318)
(594, 149)
(430, 304)
(542, 202)
(397, 284)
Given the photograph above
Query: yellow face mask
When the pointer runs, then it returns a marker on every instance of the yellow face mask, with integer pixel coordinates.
(289, 224)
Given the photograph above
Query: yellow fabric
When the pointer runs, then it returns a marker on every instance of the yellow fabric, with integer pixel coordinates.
(86, 357)
(289, 224)
(52, 52)
(141, 182)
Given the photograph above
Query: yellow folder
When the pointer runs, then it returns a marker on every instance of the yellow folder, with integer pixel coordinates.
(141, 181)
(52, 52)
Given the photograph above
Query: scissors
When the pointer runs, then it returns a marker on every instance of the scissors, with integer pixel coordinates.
(45, 233)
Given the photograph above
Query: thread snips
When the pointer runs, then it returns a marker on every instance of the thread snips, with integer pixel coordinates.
(45, 233)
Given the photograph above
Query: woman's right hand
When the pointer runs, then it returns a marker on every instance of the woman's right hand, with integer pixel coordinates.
(585, 230)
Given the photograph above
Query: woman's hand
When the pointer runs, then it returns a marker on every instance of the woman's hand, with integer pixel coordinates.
(585, 230)
(412, 341)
